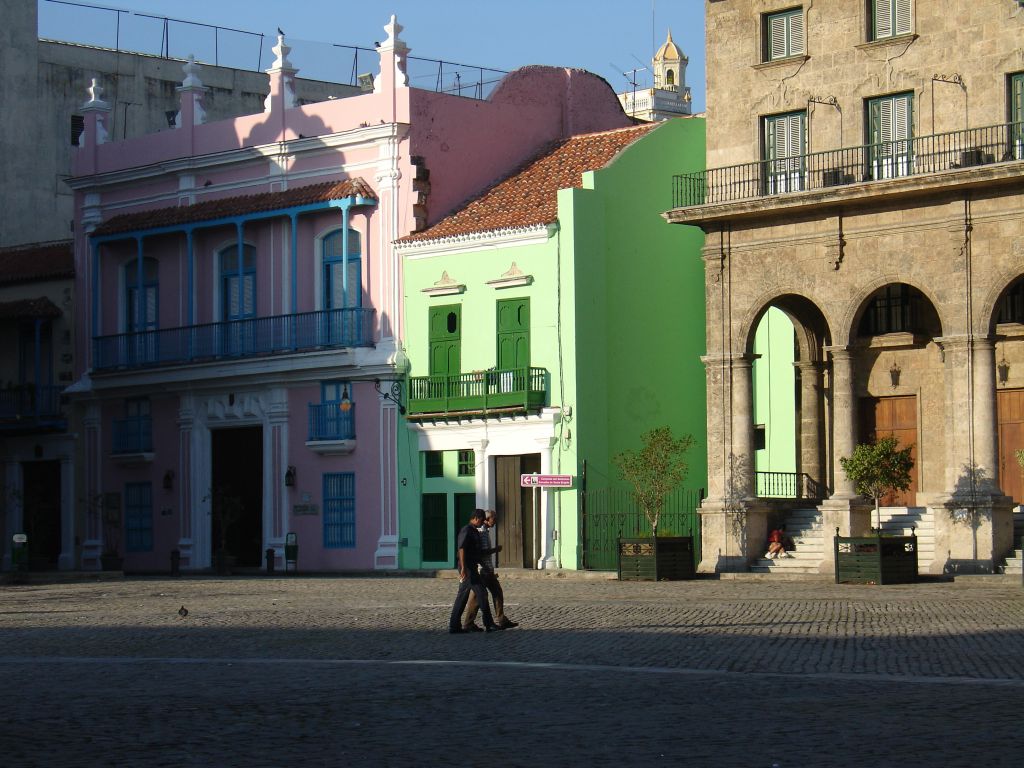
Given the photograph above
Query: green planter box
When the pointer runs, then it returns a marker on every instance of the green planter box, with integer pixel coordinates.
(876, 559)
(665, 558)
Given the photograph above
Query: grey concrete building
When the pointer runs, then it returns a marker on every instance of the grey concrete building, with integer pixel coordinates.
(866, 160)
(42, 83)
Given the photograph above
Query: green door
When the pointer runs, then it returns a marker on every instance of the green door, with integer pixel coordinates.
(890, 135)
(445, 338)
(513, 342)
(1017, 116)
(435, 527)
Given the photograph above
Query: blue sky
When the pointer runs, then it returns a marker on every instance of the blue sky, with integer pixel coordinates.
(604, 36)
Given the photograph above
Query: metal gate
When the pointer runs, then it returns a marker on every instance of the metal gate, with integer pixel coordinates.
(608, 513)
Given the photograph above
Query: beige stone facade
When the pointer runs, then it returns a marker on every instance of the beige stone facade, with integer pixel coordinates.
(888, 224)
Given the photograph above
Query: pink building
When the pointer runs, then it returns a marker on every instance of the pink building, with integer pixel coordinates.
(240, 364)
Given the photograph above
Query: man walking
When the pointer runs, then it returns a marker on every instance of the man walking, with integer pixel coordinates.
(489, 577)
(468, 553)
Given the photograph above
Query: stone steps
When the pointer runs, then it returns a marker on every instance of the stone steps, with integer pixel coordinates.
(1014, 562)
(803, 526)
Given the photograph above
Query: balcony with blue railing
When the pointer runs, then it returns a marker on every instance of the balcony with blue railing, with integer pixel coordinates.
(235, 339)
(31, 407)
(132, 438)
(833, 170)
(514, 390)
(332, 428)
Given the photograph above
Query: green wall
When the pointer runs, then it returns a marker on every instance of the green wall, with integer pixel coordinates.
(775, 392)
(639, 304)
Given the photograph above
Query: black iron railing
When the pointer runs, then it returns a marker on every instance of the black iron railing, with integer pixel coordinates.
(788, 485)
(838, 167)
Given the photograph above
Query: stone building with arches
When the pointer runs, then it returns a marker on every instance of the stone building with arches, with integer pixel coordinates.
(879, 208)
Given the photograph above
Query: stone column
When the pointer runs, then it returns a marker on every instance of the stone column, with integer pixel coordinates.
(844, 419)
(740, 473)
(986, 433)
(810, 421)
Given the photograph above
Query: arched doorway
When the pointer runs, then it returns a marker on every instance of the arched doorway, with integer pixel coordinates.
(1009, 368)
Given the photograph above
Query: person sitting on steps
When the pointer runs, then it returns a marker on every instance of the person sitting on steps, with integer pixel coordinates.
(776, 544)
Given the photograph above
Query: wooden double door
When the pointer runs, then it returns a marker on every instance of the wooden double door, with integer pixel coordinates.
(517, 532)
(893, 417)
(1010, 407)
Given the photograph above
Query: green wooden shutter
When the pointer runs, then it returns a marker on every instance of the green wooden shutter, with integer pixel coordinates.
(445, 335)
(513, 334)
(777, 37)
(901, 17)
(882, 19)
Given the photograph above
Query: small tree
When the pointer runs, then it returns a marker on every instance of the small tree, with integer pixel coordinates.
(655, 470)
(879, 468)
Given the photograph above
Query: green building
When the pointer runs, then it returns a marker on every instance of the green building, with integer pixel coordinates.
(550, 322)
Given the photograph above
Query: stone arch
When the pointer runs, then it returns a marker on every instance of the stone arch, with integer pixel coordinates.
(812, 325)
(847, 327)
(990, 306)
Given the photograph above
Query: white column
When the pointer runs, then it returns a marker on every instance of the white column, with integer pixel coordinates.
(386, 555)
(185, 497)
(547, 559)
(482, 485)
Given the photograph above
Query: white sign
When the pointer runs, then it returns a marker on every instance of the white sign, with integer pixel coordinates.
(545, 481)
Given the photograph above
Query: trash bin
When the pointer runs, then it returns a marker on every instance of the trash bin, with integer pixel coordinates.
(291, 552)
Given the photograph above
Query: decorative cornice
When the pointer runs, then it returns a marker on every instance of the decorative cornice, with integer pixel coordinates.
(192, 163)
(533, 235)
(445, 287)
(514, 278)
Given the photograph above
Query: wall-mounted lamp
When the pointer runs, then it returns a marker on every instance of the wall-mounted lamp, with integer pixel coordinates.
(346, 403)
(169, 479)
(394, 395)
(1003, 371)
(289, 477)
(894, 375)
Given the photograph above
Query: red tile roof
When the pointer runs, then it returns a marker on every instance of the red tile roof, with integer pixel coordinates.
(529, 196)
(38, 261)
(26, 308)
(226, 207)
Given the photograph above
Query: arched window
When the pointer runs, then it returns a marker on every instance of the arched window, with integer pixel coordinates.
(238, 283)
(1011, 306)
(342, 289)
(670, 77)
(141, 299)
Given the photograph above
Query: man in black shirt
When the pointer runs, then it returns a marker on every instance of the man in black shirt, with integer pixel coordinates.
(469, 554)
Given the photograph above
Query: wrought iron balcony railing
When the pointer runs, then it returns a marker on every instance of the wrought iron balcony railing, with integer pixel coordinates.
(30, 402)
(483, 391)
(788, 485)
(839, 167)
(277, 335)
(132, 435)
(328, 422)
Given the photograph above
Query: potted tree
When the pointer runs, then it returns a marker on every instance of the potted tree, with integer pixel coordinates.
(877, 469)
(654, 471)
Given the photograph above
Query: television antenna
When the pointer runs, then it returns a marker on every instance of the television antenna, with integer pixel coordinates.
(630, 76)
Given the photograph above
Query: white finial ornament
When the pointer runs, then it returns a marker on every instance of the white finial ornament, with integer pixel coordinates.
(281, 50)
(191, 78)
(95, 91)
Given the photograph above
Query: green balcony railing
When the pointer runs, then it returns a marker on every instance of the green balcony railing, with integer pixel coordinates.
(839, 167)
(482, 391)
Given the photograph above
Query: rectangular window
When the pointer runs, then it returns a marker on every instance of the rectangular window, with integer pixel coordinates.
(138, 517)
(889, 18)
(433, 464)
(889, 135)
(339, 510)
(134, 433)
(784, 152)
(77, 127)
(1016, 115)
(783, 34)
(334, 417)
(467, 463)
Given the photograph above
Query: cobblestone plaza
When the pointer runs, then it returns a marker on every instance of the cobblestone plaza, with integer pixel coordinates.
(361, 671)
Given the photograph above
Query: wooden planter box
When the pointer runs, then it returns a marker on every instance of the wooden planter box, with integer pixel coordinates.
(876, 559)
(665, 558)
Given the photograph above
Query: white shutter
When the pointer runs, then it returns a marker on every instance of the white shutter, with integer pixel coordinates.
(233, 302)
(777, 36)
(883, 18)
(901, 118)
(885, 133)
(795, 135)
(902, 17)
(796, 33)
(248, 295)
(150, 293)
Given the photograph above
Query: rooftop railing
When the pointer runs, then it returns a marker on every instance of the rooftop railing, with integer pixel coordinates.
(838, 167)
